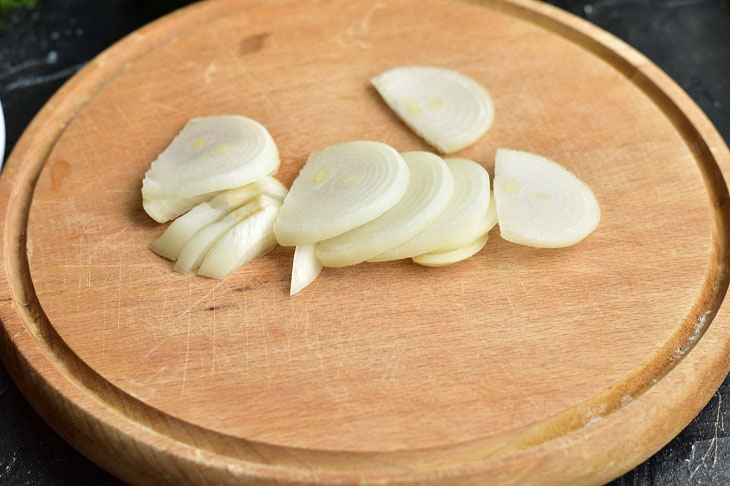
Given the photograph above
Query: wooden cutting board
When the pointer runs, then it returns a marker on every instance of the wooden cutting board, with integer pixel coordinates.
(517, 366)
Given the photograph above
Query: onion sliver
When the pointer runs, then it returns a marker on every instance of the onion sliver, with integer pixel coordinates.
(163, 210)
(211, 154)
(452, 256)
(540, 203)
(242, 243)
(305, 269)
(341, 187)
(429, 190)
(182, 229)
(455, 226)
(447, 109)
(197, 248)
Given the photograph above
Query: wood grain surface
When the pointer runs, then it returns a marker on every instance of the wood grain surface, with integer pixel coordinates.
(518, 365)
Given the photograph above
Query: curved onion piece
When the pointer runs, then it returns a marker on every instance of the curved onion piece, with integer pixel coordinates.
(540, 203)
(447, 109)
(429, 190)
(195, 250)
(163, 210)
(305, 269)
(491, 220)
(452, 256)
(182, 229)
(212, 154)
(341, 187)
(248, 239)
(477, 230)
(455, 226)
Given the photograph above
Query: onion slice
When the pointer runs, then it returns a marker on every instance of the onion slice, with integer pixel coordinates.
(455, 226)
(447, 109)
(211, 154)
(163, 210)
(478, 230)
(184, 228)
(195, 250)
(305, 269)
(429, 190)
(341, 187)
(540, 203)
(251, 237)
(442, 259)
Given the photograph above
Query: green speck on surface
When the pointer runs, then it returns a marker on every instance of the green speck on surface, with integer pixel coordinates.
(8, 4)
(16, 3)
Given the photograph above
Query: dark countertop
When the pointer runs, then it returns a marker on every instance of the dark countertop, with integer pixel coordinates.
(42, 47)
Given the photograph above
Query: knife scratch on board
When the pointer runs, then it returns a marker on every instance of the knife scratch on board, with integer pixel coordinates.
(119, 293)
(105, 240)
(244, 310)
(524, 393)
(213, 353)
(159, 344)
(190, 308)
(319, 345)
(208, 74)
(354, 34)
(187, 338)
(264, 332)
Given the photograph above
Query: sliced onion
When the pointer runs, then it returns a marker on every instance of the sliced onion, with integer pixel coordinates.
(341, 187)
(447, 109)
(477, 230)
(197, 248)
(442, 259)
(248, 239)
(429, 190)
(455, 226)
(182, 229)
(211, 154)
(540, 203)
(305, 269)
(163, 210)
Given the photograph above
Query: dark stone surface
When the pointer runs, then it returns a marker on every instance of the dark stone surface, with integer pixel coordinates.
(41, 47)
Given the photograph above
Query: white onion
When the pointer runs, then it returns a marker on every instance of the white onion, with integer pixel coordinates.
(429, 190)
(446, 108)
(211, 154)
(456, 224)
(163, 210)
(436, 259)
(305, 268)
(251, 237)
(341, 187)
(477, 230)
(195, 250)
(540, 203)
(182, 229)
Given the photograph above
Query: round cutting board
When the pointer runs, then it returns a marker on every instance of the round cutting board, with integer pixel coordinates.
(517, 366)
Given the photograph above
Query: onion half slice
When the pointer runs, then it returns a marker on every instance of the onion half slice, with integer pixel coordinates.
(456, 225)
(447, 109)
(540, 203)
(341, 187)
(429, 190)
(449, 257)
(211, 154)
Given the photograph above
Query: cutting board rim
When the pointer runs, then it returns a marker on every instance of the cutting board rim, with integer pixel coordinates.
(87, 411)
